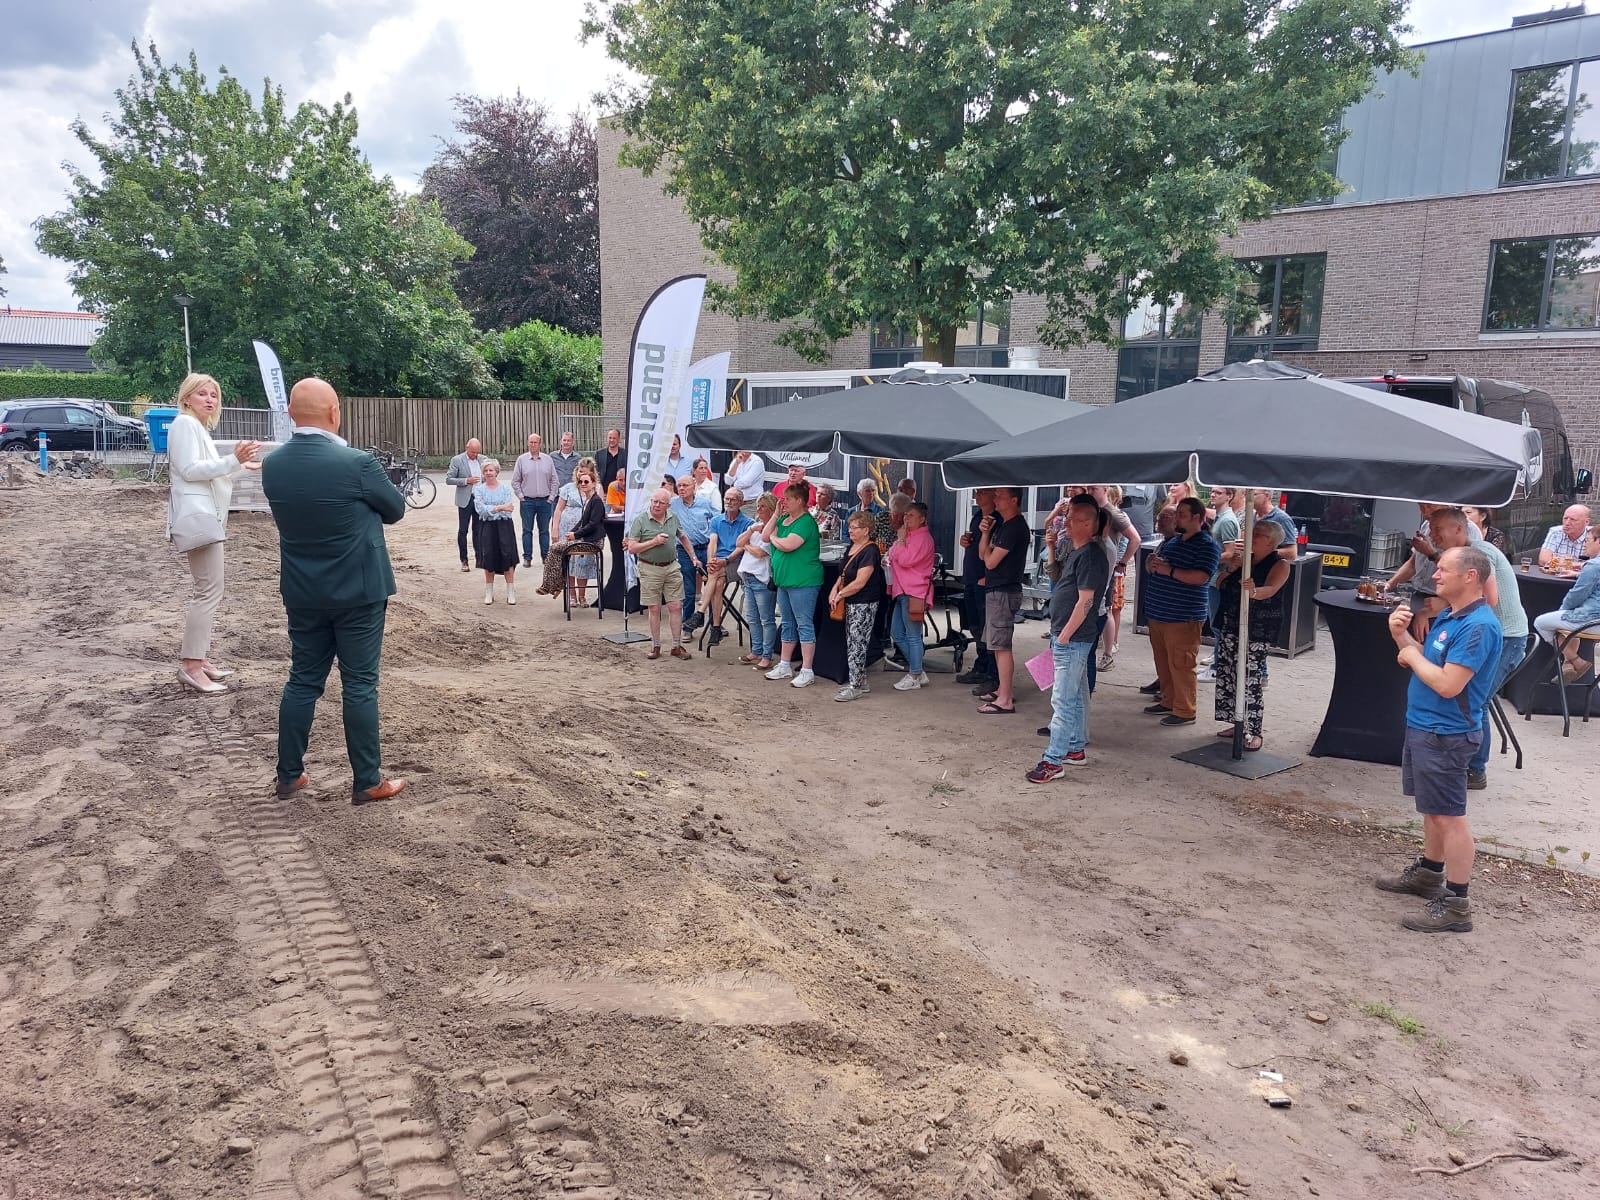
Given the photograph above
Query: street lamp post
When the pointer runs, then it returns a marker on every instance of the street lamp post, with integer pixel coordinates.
(184, 301)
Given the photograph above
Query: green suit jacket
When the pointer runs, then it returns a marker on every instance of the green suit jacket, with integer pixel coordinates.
(330, 504)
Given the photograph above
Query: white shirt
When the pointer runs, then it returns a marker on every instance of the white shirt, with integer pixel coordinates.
(756, 567)
(749, 476)
(332, 437)
(708, 491)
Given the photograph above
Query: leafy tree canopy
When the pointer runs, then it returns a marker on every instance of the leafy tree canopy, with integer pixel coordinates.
(536, 361)
(2, 272)
(523, 190)
(275, 224)
(903, 160)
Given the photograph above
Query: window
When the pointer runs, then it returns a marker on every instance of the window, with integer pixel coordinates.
(981, 341)
(1160, 346)
(1554, 130)
(1544, 284)
(1279, 306)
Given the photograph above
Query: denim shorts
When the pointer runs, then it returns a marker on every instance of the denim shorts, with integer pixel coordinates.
(1433, 769)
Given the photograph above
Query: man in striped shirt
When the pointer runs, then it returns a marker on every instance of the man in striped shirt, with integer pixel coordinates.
(1178, 575)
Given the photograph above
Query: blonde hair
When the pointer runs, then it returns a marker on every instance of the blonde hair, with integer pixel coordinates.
(191, 384)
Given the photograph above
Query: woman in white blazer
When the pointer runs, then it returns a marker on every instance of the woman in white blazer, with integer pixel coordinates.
(202, 481)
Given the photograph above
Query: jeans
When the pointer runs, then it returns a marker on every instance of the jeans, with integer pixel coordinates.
(760, 599)
(1069, 699)
(1512, 650)
(466, 520)
(686, 566)
(797, 614)
(907, 634)
(535, 510)
(316, 637)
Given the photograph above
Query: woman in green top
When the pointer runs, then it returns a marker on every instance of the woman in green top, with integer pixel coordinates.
(797, 574)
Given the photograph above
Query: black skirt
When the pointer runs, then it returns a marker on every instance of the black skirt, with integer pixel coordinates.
(497, 546)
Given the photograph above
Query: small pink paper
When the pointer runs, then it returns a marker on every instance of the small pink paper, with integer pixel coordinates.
(1043, 669)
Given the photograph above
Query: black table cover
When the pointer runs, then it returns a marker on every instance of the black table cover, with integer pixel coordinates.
(1366, 717)
(616, 589)
(1530, 690)
(830, 661)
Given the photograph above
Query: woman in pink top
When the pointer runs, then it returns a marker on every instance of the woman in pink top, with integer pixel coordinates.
(911, 577)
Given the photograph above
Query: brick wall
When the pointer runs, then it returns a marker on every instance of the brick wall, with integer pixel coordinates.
(645, 240)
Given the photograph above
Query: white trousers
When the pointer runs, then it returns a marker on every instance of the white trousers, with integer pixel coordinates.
(205, 564)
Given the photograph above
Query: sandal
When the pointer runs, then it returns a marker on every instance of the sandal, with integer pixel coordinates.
(987, 697)
(749, 660)
(1252, 743)
(992, 709)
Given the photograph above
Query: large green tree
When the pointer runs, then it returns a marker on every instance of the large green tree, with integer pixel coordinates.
(902, 161)
(274, 223)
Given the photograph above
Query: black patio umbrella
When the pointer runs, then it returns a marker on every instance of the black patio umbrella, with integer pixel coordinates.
(1263, 425)
(1270, 426)
(916, 415)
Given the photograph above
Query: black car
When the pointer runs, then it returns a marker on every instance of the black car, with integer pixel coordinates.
(69, 425)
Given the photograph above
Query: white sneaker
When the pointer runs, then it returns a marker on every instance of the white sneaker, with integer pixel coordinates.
(488, 595)
(1207, 675)
(909, 683)
(804, 679)
(847, 693)
(511, 595)
(782, 671)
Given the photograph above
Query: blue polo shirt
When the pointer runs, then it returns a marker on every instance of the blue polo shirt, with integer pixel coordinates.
(1165, 598)
(1469, 638)
(727, 532)
(695, 519)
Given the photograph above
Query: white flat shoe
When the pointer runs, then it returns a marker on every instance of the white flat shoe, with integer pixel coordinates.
(189, 681)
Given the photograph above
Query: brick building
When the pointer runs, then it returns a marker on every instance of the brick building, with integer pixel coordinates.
(1467, 241)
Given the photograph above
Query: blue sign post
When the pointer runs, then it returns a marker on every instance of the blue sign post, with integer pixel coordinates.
(44, 453)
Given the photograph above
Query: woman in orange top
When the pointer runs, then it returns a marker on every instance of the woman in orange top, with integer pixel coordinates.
(614, 493)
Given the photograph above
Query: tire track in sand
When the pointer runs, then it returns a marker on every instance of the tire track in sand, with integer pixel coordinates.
(367, 1126)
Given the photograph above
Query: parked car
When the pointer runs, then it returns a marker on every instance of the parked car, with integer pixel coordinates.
(69, 425)
(1342, 526)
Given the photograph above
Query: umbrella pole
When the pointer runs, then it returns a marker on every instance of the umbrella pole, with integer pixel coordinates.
(1242, 653)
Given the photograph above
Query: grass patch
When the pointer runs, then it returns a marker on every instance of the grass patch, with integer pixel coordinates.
(1384, 1011)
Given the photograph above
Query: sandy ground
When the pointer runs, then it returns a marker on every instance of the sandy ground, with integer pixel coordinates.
(667, 930)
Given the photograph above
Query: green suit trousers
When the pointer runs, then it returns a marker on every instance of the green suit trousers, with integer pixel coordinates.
(316, 637)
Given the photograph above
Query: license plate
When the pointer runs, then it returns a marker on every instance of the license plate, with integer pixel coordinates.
(1335, 560)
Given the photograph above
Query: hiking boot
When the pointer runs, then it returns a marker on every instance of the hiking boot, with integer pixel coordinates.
(1444, 914)
(1151, 689)
(1416, 879)
(1477, 781)
(715, 634)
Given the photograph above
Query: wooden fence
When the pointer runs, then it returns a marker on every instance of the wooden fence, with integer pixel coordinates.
(441, 427)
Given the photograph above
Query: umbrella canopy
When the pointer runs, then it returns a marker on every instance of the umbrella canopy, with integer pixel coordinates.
(1270, 428)
(924, 417)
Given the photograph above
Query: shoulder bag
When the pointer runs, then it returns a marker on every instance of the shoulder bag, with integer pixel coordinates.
(194, 529)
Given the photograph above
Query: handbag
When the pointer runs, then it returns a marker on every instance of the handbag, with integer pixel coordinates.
(194, 529)
(916, 609)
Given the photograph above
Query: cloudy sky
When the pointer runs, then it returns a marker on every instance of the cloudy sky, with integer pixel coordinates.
(401, 60)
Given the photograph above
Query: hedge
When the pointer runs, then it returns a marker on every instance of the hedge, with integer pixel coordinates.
(87, 385)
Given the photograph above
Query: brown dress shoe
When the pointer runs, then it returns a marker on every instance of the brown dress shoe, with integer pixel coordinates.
(679, 652)
(285, 790)
(387, 790)
(655, 652)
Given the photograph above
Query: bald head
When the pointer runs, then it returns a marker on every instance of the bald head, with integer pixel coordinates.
(313, 402)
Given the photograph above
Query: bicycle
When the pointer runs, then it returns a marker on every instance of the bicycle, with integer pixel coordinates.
(416, 487)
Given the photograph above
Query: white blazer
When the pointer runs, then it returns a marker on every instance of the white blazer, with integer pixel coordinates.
(202, 479)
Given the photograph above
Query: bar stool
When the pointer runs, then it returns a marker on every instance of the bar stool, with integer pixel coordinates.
(578, 552)
(1587, 635)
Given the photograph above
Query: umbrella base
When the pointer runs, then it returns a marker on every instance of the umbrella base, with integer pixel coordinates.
(1217, 755)
(627, 636)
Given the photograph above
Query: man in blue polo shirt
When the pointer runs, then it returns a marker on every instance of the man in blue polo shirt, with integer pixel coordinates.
(1451, 676)
(694, 513)
(725, 528)
(1177, 576)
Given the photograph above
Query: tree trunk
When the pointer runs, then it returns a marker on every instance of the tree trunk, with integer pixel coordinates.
(939, 345)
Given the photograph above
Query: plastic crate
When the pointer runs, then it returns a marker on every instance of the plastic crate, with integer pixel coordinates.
(1389, 549)
(158, 420)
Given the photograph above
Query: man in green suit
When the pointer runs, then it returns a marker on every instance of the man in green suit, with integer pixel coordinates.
(330, 504)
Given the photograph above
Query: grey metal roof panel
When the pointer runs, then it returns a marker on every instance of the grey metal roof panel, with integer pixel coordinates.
(50, 329)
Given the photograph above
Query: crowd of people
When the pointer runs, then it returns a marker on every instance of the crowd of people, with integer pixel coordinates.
(1460, 633)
